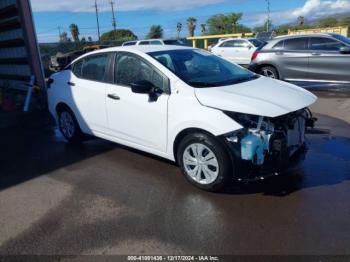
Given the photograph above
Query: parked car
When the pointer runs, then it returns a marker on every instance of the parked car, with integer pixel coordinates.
(217, 120)
(313, 57)
(60, 60)
(155, 42)
(238, 50)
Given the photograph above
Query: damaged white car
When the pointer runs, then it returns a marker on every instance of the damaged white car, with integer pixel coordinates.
(217, 120)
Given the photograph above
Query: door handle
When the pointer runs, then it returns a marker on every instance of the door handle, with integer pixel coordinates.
(71, 83)
(113, 96)
(279, 53)
(315, 54)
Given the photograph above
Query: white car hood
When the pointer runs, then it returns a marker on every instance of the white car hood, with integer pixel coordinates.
(263, 96)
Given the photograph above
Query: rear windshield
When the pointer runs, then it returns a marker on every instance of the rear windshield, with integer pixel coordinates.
(256, 42)
(342, 38)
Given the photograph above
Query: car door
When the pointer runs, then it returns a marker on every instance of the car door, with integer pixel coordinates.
(88, 91)
(133, 117)
(229, 50)
(291, 57)
(326, 62)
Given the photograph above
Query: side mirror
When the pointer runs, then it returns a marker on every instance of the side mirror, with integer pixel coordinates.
(344, 50)
(142, 87)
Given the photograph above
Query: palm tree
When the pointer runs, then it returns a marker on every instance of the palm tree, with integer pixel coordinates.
(63, 37)
(233, 19)
(74, 29)
(178, 29)
(191, 25)
(203, 28)
(301, 21)
(156, 31)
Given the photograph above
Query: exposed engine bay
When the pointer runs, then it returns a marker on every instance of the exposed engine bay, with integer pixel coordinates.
(264, 138)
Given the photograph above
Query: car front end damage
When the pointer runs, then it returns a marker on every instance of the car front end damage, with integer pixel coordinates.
(265, 145)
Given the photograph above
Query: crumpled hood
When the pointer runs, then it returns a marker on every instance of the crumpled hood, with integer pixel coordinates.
(263, 96)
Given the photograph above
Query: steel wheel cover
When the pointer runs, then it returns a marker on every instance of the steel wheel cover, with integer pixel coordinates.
(200, 164)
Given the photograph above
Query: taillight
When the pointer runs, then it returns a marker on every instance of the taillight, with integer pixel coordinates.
(255, 55)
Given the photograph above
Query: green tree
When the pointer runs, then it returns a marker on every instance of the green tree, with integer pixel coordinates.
(263, 27)
(156, 31)
(74, 29)
(217, 24)
(63, 37)
(301, 21)
(345, 21)
(233, 20)
(121, 34)
(328, 22)
(191, 25)
(225, 24)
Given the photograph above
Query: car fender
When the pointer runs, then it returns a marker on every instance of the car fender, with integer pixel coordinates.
(183, 108)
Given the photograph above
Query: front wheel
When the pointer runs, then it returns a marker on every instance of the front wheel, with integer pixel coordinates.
(269, 71)
(205, 162)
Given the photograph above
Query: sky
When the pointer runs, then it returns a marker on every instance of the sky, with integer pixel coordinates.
(139, 15)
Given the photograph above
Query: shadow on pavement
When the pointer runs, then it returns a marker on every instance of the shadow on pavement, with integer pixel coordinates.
(30, 151)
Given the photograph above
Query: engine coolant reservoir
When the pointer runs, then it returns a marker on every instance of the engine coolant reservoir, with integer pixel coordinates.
(252, 148)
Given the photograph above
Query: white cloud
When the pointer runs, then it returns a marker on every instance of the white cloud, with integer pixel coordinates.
(312, 9)
(121, 5)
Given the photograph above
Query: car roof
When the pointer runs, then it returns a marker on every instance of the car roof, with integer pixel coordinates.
(142, 48)
(138, 48)
(304, 35)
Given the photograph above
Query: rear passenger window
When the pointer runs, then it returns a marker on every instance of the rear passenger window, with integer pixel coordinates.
(325, 44)
(94, 68)
(296, 44)
(77, 67)
(234, 43)
(279, 45)
(144, 43)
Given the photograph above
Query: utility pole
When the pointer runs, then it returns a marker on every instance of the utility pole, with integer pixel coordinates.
(59, 33)
(268, 16)
(98, 22)
(114, 23)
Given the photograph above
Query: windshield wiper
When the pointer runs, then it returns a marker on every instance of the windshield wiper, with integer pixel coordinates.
(244, 79)
(200, 84)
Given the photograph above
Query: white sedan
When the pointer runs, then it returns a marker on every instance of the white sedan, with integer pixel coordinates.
(238, 50)
(183, 104)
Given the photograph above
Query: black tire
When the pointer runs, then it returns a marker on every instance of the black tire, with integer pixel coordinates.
(225, 170)
(269, 71)
(75, 135)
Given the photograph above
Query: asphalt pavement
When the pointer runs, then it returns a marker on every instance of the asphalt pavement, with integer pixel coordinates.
(101, 198)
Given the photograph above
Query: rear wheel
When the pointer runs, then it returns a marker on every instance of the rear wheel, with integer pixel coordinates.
(269, 71)
(205, 162)
(69, 126)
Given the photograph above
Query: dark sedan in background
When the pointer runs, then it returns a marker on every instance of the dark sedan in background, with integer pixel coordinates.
(306, 58)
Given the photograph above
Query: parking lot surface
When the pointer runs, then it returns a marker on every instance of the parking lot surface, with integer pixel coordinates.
(101, 198)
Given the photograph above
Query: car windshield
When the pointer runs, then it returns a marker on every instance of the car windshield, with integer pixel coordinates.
(256, 42)
(343, 39)
(200, 68)
(173, 42)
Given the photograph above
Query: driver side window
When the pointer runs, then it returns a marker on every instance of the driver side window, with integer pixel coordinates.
(130, 68)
